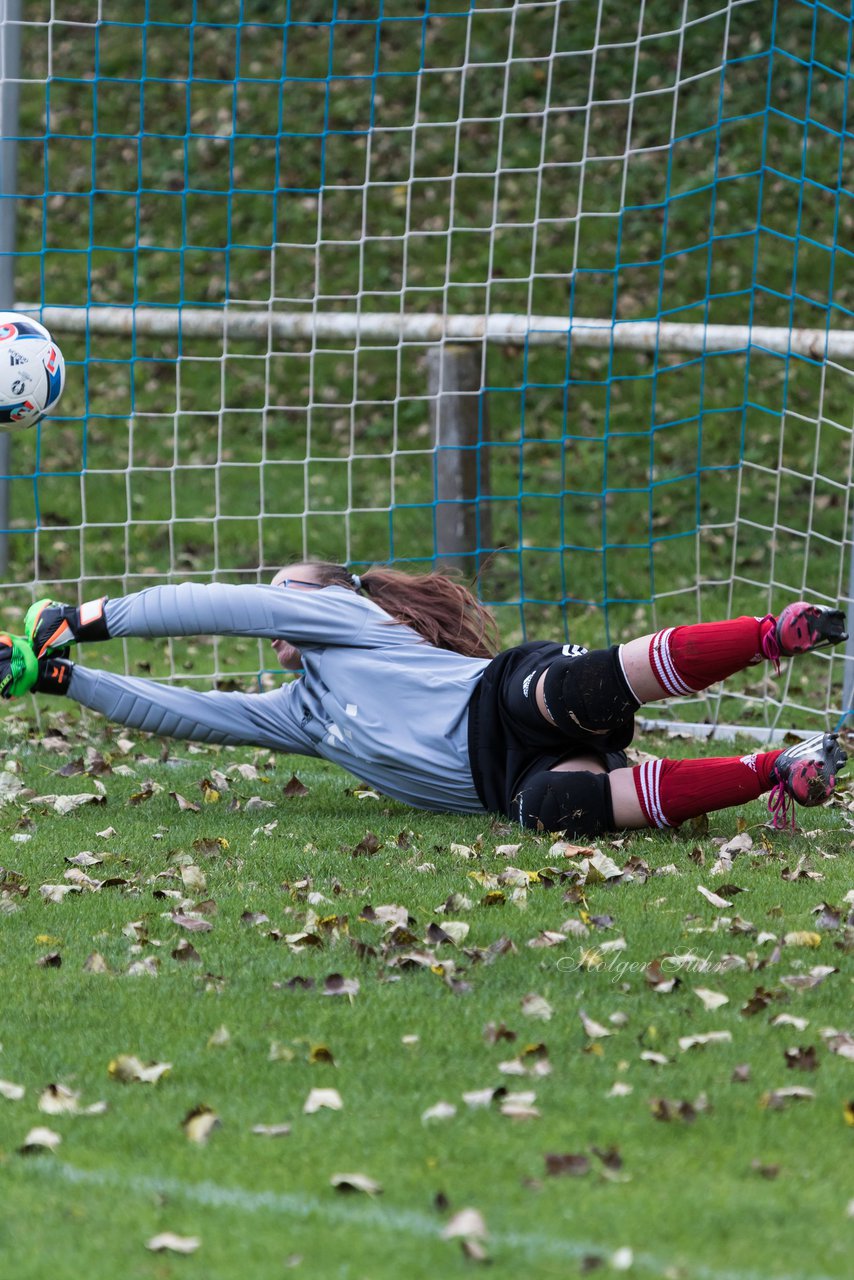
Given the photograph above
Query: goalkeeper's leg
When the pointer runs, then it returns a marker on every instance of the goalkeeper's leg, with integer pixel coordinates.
(683, 660)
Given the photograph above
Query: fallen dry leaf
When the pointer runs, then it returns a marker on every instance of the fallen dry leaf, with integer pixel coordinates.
(167, 1241)
(57, 1100)
(186, 953)
(84, 859)
(599, 867)
(776, 1099)
(666, 1109)
(191, 923)
(520, 1106)
(193, 879)
(711, 999)
(802, 938)
(467, 1224)
(320, 1098)
(571, 1164)
(713, 898)
(593, 1029)
(802, 1058)
(66, 804)
(768, 1171)
(561, 849)
(57, 892)
(805, 981)
(293, 787)
(700, 1041)
(535, 1006)
(271, 1130)
(127, 1068)
(183, 803)
(840, 1042)
(439, 1111)
(199, 1124)
(790, 1020)
(483, 1097)
(355, 1182)
(39, 1139)
(337, 985)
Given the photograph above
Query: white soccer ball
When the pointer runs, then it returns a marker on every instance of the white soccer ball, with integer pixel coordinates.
(32, 372)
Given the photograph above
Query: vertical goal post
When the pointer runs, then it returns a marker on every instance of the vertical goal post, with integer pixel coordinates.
(558, 292)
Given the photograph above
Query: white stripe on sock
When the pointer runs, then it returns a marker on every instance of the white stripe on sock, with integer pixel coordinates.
(676, 684)
(649, 776)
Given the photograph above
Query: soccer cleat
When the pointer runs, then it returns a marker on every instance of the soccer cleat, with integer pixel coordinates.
(18, 667)
(805, 773)
(800, 628)
(51, 627)
(54, 675)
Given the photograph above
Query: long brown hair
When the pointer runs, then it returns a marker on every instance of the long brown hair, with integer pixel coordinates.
(442, 611)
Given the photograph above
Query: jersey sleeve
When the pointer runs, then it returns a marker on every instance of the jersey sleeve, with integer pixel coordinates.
(231, 719)
(329, 616)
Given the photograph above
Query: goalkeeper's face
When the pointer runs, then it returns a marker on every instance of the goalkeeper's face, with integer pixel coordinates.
(297, 577)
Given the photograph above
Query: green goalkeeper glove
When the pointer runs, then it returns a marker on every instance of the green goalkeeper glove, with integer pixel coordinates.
(21, 672)
(51, 627)
(19, 668)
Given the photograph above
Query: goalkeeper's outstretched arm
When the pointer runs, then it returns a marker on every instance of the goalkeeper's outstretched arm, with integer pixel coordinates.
(326, 605)
(227, 719)
(334, 616)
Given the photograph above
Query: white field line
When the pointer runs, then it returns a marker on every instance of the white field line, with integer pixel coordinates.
(366, 1213)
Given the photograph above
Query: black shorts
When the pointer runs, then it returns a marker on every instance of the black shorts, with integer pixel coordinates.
(502, 751)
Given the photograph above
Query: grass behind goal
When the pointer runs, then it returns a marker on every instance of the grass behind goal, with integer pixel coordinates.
(547, 158)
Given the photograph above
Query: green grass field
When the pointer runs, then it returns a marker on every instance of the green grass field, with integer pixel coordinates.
(217, 941)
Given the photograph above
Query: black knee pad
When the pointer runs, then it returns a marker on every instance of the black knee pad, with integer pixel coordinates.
(519, 690)
(590, 695)
(571, 800)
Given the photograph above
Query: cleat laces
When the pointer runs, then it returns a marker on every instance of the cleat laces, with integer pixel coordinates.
(781, 807)
(769, 643)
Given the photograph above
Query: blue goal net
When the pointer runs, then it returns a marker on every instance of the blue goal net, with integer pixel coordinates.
(556, 292)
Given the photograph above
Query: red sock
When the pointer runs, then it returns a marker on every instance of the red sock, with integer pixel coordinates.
(669, 791)
(687, 659)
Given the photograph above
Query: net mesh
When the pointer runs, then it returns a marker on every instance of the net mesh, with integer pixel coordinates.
(622, 160)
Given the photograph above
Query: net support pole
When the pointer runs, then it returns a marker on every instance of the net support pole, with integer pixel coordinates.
(460, 425)
(10, 61)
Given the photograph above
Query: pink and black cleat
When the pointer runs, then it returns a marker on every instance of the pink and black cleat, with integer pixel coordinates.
(802, 627)
(805, 773)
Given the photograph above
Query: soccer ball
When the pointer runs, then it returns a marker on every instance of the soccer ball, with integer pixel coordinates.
(32, 372)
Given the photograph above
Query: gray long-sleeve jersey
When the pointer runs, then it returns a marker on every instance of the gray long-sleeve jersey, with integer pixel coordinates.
(375, 698)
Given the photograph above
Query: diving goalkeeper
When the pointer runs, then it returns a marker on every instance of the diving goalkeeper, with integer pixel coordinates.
(400, 686)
